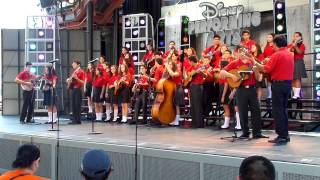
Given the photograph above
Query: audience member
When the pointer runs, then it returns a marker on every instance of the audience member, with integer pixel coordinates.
(256, 168)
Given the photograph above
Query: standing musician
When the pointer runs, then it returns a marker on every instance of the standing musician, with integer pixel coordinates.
(246, 96)
(267, 52)
(88, 85)
(196, 93)
(186, 62)
(98, 85)
(112, 98)
(140, 91)
(213, 51)
(75, 83)
(174, 70)
(49, 93)
(106, 75)
(123, 85)
(102, 61)
(298, 48)
(125, 54)
(25, 79)
(148, 59)
(258, 55)
(172, 50)
(281, 86)
(157, 71)
(246, 40)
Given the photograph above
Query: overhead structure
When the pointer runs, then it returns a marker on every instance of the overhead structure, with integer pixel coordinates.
(279, 15)
(315, 46)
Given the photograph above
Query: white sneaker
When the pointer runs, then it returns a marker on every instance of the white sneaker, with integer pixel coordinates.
(225, 126)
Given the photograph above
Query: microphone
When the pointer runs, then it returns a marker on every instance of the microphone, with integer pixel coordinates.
(94, 60)
(53, 61)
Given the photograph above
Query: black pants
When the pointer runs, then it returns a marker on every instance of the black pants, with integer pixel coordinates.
(280, 94)
(141, 101)
(28, 105)
(208, 96)
(247, 100)
(196, 93)
(76, 104)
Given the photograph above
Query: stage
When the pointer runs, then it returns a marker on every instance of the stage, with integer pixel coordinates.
(203, 146)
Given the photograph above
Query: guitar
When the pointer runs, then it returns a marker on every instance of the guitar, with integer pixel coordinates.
(119, 84)
(238, 72)
(71, 80)
(34, 82)
(190, 75)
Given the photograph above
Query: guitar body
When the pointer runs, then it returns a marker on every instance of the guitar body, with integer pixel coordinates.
(164, 109)
(235, 72)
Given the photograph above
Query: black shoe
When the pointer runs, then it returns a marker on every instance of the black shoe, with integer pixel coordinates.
(244, 136)
(131, 122)
(74, 122)
(22, 122)
(30, 121)
(258, 136)
(279, 140)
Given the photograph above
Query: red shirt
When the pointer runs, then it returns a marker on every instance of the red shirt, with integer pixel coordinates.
(168, 53)
(186, 64)
(149, 55)
(280, 65)
(113, 79)
(99, 82)
(260, 58)
(144, 81)
(128, 78)
(235, 65)
(100, 66)
(81, 75)
(296, 55)
(121, 61)
(26, 75)
(248, 44)
(268, 50)
(89, 76)
(158, 74)
(216, 54)
(178, 79)
(52, 78)
(223, 64)
(197, 78)
(210, 74)
(106, 76)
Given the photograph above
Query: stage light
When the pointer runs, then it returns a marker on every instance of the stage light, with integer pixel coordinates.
(186, 98)
(317, 37)
(161, 34)
(142, 21)
(40, 33)
(33, 70)
(135, 33)
(279, 28)
(317, 62)
(32, 46)
(135, 57)
(49, 22)
(317, 74)
(184, 32)
(279, 16)
(186, 91)
(142, 45)
(185, 40)
(49, 46)
(128, 45)
(279, 5)
(318, 55)
(318, 93)
(127, 22)
(41, 57)
(161, 44)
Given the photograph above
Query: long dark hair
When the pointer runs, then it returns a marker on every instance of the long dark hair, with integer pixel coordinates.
(259, 51)
(51, 72)
(300, 34)
(93, 70)
(26, 155)
(273, 35)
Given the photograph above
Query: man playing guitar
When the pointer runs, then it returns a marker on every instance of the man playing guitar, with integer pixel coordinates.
(76, 82)
(25, 79)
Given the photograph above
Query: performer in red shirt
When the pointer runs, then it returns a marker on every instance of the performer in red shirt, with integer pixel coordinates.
(123, 85)
(261, 81)
(148, 59)
(106, 75)
(112, 98)
(158, 71)
(98, 85)
(281, 67)
(298, 49)
(75, 83)
(125, 54)
(49, 93)
(246, 40)
(268, 51)
(213, 51)
(174, 69)
(141, 93)
(196, 93)
(246, 96)
(88, 85)
(102, 61)
(172, 50)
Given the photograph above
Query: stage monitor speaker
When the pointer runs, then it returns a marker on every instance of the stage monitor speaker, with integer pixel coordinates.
(46, 3)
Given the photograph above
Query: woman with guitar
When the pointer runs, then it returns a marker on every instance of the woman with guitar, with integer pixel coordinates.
(50, 78)
(88, 85)
(98, 85)
(122, 88)
(246, 93)
(25, 79)
(112, 98)
(297, 48)
(259, 57)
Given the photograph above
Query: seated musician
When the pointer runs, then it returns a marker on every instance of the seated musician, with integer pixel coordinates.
(140, 90)
(246, 95)
(173, 68)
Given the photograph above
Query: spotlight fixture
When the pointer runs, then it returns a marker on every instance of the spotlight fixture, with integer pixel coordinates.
(32, 46)
(127, 22)
(142, 21)
(41, 33)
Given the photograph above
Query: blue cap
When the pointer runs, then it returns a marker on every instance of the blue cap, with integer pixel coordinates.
(96, 163)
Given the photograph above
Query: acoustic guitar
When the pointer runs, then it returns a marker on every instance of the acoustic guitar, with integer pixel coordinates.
(190, 75)
(35, 82)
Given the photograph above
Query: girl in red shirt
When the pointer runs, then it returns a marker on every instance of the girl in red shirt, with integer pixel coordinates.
(298, 49)
(88, 85)
(98, 85)
(261, 83)
(102, 62)
(123, 86)
(49, 91)
(112, 98)
(107, 75)
(268, 51)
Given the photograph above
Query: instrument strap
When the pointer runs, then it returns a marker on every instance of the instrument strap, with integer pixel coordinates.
(20, 175)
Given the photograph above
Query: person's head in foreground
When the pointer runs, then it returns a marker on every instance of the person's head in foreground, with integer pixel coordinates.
(256, 168)
(96, 165)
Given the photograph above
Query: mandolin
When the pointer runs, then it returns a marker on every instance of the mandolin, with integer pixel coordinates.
(34, 82)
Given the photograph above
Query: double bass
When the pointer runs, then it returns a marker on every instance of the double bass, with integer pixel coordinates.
(164, 109)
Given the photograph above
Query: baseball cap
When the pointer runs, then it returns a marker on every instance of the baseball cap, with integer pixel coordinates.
(96, 163)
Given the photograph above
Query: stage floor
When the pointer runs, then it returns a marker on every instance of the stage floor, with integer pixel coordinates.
(303, 148)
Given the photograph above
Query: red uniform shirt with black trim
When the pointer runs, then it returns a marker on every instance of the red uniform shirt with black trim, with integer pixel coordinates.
(143, 81)
(26, 75)
(248, 44)
(178, 79)
(268, 50)
(197, 79)
(296, 55)
(281, 65)
(89, 76)
(80, 74)
(99, 82)
(236, 64)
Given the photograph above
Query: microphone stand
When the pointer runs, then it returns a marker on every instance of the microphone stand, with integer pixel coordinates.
(53, 102)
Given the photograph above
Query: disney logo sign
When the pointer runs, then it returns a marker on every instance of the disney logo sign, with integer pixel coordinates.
(219, 10)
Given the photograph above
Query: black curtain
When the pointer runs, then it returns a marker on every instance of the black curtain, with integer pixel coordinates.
(153, 7)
